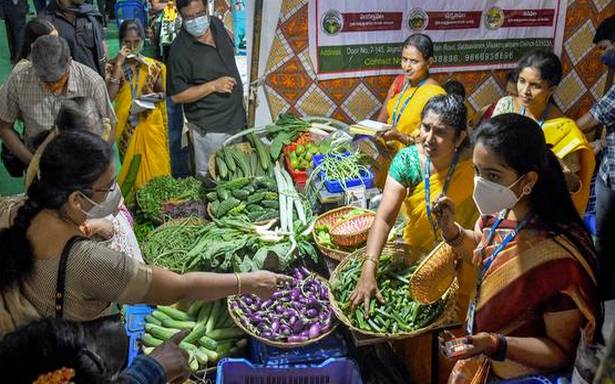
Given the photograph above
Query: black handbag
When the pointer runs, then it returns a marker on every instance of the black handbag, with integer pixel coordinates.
(12, 163)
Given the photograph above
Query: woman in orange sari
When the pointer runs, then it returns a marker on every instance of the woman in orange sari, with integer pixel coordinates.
(536, 287)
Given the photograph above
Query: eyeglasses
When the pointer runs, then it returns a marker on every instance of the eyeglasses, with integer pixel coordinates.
(110, 189)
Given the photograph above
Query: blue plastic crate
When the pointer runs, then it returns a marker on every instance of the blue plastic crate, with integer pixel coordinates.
(135, 327)
(333, 345)
(367, 178)
(332, 371)
(539, 379)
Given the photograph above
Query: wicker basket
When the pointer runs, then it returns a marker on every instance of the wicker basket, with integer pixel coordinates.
(279, 344)
(244, 147)
(352, 232)
(407, 255)
(331, 218)
(434, 275)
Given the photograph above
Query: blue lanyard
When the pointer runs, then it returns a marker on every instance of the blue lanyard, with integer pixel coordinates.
(487, 262)
(426, 182)
(397, 112)
(542, 119)
(132, 76)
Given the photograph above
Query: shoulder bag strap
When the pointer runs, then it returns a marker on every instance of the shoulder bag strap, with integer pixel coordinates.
(60, 284)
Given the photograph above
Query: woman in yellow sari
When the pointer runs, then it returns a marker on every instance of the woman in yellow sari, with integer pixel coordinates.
(137, 86)
(539, 74)
(410, 92)
(438, 163)
(536, 290)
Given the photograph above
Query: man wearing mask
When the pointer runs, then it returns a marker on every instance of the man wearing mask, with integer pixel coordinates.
(604, 113)
(81, 25)
(203, 76)
(35, 92)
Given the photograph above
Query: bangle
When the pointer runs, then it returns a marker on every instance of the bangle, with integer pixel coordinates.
(455, 241)
(238, 283)
(501, 347)
(372, 260)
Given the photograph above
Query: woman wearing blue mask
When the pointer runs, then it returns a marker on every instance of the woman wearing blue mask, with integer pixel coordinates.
(63, 275)
(137, 85)
(536, 286)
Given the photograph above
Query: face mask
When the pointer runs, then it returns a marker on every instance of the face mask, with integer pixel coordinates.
(608, 58)
(197, 26)
(58, 85)
(491, 198)
(105, 208)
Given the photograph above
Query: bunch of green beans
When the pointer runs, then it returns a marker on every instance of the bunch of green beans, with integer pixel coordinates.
(399, 313)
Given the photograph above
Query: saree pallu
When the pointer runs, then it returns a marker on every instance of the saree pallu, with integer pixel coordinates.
(567, 139)
(150, 136)
(410, 120)
(418, 232)
(530, 271)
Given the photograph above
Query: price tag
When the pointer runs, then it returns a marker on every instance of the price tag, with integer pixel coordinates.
(356, 197)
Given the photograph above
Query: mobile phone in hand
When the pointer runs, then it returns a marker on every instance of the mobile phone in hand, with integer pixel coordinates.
(456, 347)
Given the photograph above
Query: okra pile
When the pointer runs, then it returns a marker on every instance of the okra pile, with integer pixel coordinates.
(213, 334)
(399, 313)
(297, 312)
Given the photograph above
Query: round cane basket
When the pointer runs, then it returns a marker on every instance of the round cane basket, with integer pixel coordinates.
(244, 147)
(353, 231)
(279, 344)
(331, 218)
(407, 255)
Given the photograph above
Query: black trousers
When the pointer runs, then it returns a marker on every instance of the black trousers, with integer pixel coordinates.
(15, 20)
(40, 6)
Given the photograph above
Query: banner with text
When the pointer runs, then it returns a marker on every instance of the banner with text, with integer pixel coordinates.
(365, 37)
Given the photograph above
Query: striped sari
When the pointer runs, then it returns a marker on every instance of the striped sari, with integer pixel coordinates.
(537, 273)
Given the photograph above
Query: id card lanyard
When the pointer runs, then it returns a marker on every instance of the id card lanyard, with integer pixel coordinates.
(426, 182)
(396, 111)
(542, 119)
(470, 319)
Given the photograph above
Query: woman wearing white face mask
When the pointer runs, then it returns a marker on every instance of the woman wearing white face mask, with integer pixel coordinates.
(77, 182)
(536, 285)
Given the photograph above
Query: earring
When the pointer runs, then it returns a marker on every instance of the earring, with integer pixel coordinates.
(527, 190)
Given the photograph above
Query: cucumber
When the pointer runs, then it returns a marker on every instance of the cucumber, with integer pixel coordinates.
(193, 362)
(148, 350)
(151, 341)
(243, 162)
(204, 312)
(160, 332)
(256, 197)
(228, 159)
(174, 313)
(160, 316)
(225, 333)
(226, 206)
(197, 332)
(208, 343)
(222, 169)
(215, 312)
(187, 347)
(176, 324)
(195, 308)
(152, 320)
(253, 163)
(211, 355)
(201, 357)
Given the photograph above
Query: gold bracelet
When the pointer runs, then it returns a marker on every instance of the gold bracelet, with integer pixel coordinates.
(238, 283)
(372, 260)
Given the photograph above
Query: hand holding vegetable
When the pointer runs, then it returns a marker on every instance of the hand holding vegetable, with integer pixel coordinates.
(173, 359)
(395, 135)
(262, 283)
(366, 288)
